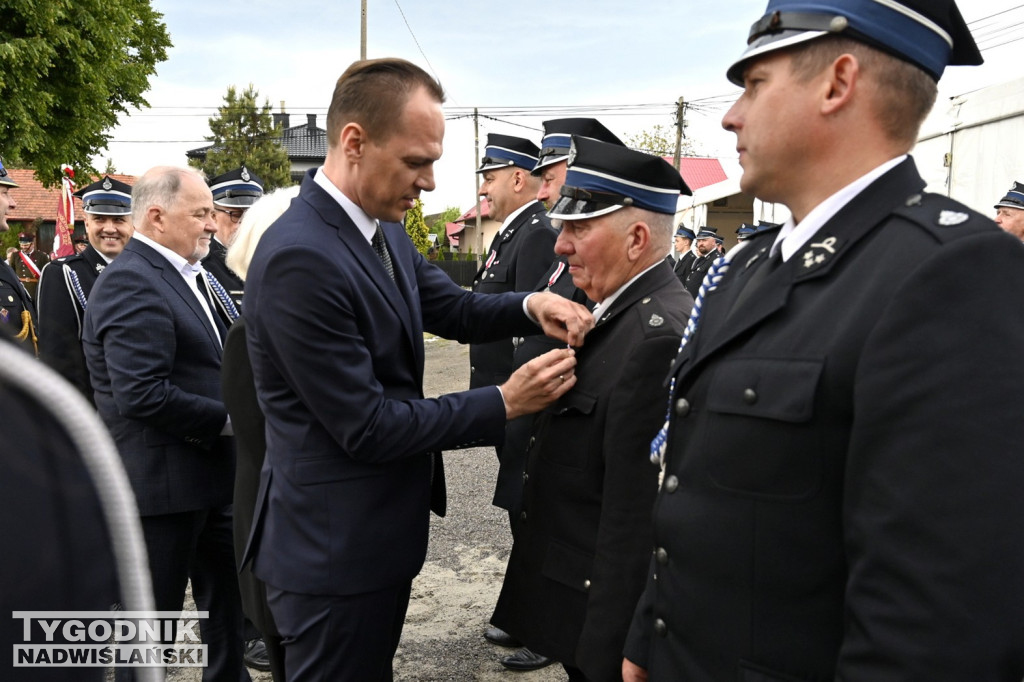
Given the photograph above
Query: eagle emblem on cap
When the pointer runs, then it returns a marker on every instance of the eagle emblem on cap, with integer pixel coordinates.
(572, 153)
(245, 174)
(107, 184)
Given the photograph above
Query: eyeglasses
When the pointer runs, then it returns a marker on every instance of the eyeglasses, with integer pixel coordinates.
(234, 215)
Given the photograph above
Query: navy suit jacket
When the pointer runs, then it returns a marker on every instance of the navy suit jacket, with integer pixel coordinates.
(154, 362)
(337, 354)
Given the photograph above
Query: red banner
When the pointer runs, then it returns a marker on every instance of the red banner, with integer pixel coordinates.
(62, 245)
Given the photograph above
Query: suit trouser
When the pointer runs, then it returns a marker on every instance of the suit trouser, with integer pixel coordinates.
(333, 638)
(198, 545)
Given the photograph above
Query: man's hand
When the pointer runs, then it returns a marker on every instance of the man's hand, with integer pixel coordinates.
(631, 672)
(539, 382)
(560, 318)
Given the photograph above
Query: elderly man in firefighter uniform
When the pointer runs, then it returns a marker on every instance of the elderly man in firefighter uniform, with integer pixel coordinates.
(582, 541)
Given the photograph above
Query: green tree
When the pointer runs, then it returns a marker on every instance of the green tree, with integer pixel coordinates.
(243, 134)
(661, 141)
(68, 68)
(416, 227)
(440, 225)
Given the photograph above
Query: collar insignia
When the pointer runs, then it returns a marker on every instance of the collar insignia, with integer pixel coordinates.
(820, 252)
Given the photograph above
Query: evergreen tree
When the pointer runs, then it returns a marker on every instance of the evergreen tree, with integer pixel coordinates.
(243, 134)
(68, 68)
(416, 228)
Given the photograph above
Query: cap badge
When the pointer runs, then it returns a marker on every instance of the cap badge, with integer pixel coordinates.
(951, 218)
(245, 174)
(656, 321)
(572, 154)
(107, 185)
(814, 257)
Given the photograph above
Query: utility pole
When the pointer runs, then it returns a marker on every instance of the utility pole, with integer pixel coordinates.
(476, 176)
(362, 32)
(680, 111)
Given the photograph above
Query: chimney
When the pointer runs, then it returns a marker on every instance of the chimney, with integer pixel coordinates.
(311, 120)
(281, 119)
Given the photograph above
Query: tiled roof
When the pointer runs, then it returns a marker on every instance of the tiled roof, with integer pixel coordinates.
(303, 143)
(35, 201)
(485, 212)
(700, 172)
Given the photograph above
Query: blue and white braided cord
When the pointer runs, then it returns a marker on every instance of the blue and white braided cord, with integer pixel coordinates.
(222, 296)
(76, 286)
(711, 281)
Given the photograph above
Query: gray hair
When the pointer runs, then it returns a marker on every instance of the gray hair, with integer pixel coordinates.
(159, 186)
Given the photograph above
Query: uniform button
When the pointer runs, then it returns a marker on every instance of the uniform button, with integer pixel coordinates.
(532, 441)
(522, 340)
(472, 370)
(749, 396)
(522, 517)
(682, 407)
(661, 555)
(660, 628)
(526, 477)
(586, 585)
(671, 484)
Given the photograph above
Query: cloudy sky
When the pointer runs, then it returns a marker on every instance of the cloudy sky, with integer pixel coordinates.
(520, 63)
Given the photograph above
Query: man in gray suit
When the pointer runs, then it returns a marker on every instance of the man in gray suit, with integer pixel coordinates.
(152, 344)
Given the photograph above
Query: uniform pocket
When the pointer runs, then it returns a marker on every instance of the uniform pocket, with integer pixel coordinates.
(571, 416)
(758, 440)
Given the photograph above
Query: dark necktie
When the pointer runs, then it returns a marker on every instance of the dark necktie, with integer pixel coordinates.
(382, 251)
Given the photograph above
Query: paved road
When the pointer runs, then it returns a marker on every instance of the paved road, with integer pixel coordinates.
(454, 595)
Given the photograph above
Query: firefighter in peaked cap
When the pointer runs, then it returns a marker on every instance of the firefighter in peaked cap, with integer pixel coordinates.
(233, 193)
(67, 283)
(17, 309)
(520, 252)
(28, 262)
(832, 481)
(523, 247)
(1010, 211)
(550, 168)
(579, 556)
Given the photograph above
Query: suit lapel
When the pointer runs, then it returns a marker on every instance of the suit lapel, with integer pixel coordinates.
(398, 293)
(176, 282)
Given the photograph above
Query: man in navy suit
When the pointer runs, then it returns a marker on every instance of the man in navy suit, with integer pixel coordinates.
(337, 300)
(153, 348)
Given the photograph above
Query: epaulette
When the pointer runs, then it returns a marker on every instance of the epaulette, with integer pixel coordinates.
(68, 259)
(944, 218)
(652, 317)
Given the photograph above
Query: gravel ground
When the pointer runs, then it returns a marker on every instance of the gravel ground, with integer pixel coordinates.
(454, 594)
